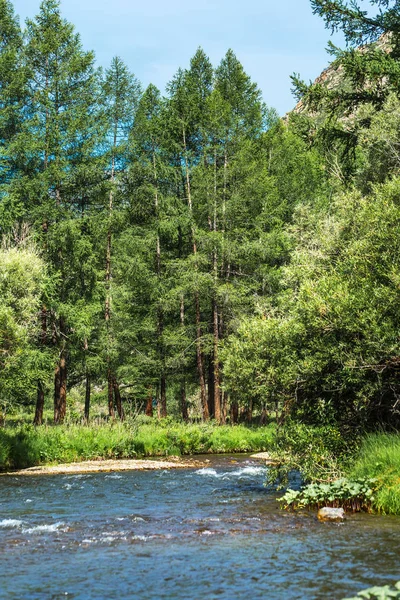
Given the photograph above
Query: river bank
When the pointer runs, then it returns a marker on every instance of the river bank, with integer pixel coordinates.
(24, 446)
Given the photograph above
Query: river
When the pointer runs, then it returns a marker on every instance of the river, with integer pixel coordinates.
(212, 533)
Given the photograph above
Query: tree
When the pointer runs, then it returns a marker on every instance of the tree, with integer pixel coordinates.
(121, 92)
(60, 141)
(12, 95)
(22, 282)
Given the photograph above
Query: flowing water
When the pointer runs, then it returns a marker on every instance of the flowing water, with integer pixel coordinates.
(212, 533)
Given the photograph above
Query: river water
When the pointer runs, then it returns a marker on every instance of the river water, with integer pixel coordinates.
(212, 533)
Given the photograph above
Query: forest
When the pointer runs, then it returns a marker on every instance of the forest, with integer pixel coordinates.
(192, 253)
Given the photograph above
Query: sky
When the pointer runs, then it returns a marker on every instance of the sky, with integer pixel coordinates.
(272, 38)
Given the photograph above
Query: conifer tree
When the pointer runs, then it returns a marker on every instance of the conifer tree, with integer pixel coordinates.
(121, 92)
(12, 92)
(61, 143)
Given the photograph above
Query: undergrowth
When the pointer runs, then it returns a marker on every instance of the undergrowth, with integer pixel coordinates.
(27, 446)
(379, 458)
(351, 495)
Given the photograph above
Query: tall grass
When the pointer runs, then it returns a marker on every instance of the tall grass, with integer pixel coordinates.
(26, 446)
(379, 458)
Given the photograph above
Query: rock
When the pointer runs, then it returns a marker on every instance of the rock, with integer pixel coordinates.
(331, 514)
(265, 457)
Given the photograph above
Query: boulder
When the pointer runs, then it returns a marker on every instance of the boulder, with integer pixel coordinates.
(331, 514)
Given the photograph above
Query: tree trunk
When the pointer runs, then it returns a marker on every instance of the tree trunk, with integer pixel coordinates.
(264, 416)
(60, 387)
(118, 401)
(38, 420)
(158, 402)
(163, 397)
(234, 412)
(210, 388)
(199, 355)
(249, 412)
(87, 396)
(200, 362)
(183, 402)
(107, 310)
(149, 403)
(110, 393)
(63, 386)
(217, 385)
(57, 387)
(224, 406)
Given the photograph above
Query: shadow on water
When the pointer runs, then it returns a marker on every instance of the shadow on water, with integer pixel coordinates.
(207, 533)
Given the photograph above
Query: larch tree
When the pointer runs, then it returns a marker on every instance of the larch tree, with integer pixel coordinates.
(12, 96)
(121, 93)
(61, 150)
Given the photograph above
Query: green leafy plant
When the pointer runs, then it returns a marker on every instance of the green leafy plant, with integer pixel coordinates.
(379, 592)
(352, 495)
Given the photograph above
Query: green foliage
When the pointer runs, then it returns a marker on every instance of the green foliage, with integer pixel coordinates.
(379, 458)
(383, 592)
(23, 279)
(329, 348)
(320, 454)
(24, 446)
(351, 495)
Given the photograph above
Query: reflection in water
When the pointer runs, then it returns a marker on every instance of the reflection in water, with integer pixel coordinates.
(206, 533)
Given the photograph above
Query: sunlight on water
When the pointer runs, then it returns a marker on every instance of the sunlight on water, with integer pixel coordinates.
(207, 533)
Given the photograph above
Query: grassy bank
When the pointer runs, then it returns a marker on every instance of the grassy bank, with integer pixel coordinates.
(337, 470)
(25, 446)
(379, 458)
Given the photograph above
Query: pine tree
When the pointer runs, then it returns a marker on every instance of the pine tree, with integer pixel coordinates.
(121, 92)
(60, 138)
(12, 93)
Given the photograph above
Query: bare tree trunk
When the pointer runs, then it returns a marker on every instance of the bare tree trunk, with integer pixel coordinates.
(210, 388)
(158, 402)
(184, 406)
(249, 415)
(224, 406)
(60, 389)
(264, 416)
(200, 362)
(183, 400)
(87, 396)
(234, 412)
(163, 397)
(217, 385)
(149, 403)
(38, 420)
(118, 401)
(60, 379)
(63, 386)
(57, 387)
(110, 393)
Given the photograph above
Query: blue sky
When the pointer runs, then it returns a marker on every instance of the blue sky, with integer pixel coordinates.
(271, 38)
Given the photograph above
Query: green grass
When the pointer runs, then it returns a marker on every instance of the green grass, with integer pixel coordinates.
(379, 458)
(25, 445)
